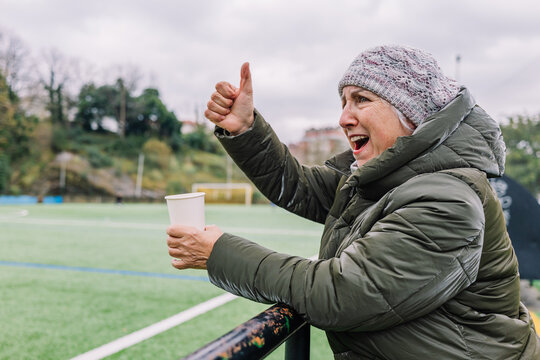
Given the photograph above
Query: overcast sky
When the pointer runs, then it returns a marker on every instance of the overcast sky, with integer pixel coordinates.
(298, 50)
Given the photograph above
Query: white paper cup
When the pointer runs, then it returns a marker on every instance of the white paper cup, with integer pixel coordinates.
(186, 209)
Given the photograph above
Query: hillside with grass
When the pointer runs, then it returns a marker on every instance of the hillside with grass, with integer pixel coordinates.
(93, 143)
(104, 164)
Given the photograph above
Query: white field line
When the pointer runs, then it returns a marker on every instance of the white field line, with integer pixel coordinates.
(159, 327)
(143, 226)
(152, 330)
(12, 215)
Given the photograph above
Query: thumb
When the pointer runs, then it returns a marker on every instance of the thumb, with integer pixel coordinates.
(245, 80)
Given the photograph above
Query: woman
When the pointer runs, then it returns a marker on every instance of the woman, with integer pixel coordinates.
(415, 261)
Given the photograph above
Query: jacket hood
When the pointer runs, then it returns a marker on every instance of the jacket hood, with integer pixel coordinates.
(461, 135)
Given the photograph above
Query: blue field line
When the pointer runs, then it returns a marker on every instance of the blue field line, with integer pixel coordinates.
(103, 271)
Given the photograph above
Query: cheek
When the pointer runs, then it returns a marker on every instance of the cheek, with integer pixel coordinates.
(388, 129)
(384, 138)
(387, 140)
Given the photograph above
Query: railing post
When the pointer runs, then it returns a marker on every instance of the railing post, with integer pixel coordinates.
(297, 346)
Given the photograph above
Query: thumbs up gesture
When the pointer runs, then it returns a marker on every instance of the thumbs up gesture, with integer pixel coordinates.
(231, 108)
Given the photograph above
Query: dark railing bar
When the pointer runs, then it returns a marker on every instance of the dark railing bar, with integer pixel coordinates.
(259, 336)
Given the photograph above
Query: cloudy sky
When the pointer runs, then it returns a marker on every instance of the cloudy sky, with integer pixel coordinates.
(298, 50)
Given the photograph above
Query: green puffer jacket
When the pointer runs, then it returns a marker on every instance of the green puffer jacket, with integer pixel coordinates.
(415, 261)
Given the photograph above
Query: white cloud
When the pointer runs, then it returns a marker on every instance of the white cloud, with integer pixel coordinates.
(298, 49)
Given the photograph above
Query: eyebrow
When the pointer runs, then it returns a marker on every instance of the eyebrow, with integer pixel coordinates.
(356, 92)
(360, 91)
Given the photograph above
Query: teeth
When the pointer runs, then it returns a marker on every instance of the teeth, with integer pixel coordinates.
(358, 137)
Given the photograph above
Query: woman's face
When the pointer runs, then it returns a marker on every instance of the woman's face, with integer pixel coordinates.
(369, 122)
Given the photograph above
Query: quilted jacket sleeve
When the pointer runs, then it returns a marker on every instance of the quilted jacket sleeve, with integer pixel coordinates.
(424, 249)
(302, 190)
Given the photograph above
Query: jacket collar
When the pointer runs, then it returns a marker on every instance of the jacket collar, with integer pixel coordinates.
(341, 162)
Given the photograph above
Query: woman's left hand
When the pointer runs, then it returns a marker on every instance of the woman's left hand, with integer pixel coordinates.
(191, 247)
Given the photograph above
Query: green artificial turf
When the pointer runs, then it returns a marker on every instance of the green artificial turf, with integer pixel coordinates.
(60, 312)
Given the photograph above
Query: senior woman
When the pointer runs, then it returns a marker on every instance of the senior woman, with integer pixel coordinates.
(415, 261)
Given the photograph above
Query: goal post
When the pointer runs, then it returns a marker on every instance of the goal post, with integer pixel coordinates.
(237, 193)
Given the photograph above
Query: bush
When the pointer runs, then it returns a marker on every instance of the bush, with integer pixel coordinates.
(59, 141)
(128, 147)
(175, 187)
(5, 173)
(157, 154)
(97, 159)
(201, 139)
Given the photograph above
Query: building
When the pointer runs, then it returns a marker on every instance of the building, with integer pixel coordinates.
(318, 145)
(189, 126)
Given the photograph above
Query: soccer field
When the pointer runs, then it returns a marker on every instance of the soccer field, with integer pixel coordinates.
(74, 277)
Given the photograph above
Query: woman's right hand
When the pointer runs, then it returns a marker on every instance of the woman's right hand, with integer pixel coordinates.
(232, 108)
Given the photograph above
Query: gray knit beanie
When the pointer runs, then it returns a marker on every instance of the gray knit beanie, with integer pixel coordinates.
(408, 78)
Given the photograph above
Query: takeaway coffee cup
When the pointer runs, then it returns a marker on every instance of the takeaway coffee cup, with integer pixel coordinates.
(186, 209)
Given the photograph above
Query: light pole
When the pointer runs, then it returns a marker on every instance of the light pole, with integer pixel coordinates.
(138, 185)
(63, 158)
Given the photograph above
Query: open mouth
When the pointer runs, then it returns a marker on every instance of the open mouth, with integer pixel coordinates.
(359, 141)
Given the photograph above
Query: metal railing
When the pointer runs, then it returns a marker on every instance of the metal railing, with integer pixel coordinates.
(259, 336)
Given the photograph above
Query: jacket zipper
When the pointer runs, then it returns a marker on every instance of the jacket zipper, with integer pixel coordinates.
(331, 166)
(352, 191)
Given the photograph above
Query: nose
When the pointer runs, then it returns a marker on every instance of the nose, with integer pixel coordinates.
(347, 119)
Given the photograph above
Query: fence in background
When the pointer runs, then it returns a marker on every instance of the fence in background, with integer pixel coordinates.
(26, 199)
(70, 198)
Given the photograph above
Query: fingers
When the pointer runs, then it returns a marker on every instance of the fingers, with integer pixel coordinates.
(213, 116)
(227, 90)
(187, 262)
(179, 264)
(177, 256)
(177, 253)
(181, 230)
(213, 107)
(220, 102)
(231, 108)
(190, 247)
(173, 250)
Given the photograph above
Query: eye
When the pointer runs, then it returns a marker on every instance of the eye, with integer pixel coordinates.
(361, 99)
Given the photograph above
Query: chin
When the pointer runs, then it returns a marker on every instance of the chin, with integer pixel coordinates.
(360, 162)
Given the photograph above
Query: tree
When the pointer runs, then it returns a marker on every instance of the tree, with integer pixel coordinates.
(144, 115)
(202, 139)
(127, 77)
(19, 72)
(55, 80)
(13, 64)
(522, 138)
(94, 105)
(15, 128)
(153, 118)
